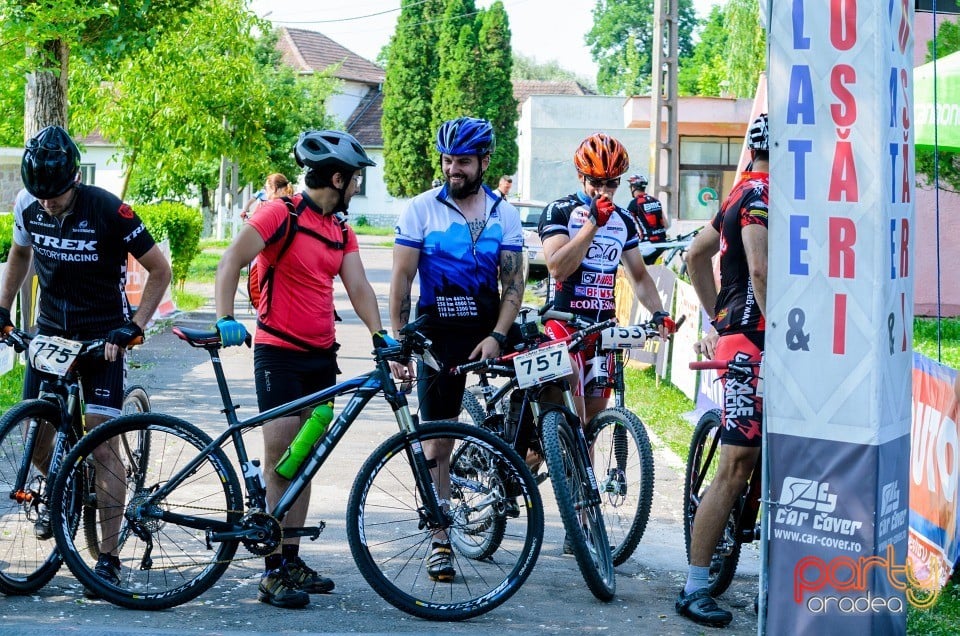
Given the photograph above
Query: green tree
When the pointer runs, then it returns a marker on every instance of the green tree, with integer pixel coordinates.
(942, 168)
(704, 73)
(498, 103)
(47, 32)
(528, 68)
(411, 74)
(457, 91)
(747, 54)
(619, 24)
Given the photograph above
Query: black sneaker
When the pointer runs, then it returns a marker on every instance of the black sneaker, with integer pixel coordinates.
(108, 569)
(307, 579)
(277, 589)
(440, 563)
(701, 608)
(41, 527)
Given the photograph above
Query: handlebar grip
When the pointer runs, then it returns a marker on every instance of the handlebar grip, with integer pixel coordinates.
(702, 365)
(679, 322)
(135, 342)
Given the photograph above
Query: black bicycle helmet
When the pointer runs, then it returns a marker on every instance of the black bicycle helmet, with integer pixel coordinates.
(758, 137)
(50, 163)
(466, 136)
(637, 181)
(319, 148)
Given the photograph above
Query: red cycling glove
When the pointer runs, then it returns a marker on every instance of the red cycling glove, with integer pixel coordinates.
(600, 210)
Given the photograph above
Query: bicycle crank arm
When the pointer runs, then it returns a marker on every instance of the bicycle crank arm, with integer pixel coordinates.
(313, 533)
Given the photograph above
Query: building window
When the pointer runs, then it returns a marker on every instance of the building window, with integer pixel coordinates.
(87, 172)
(708, 167)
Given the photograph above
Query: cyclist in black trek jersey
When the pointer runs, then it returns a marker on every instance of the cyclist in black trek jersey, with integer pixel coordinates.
(739, 233)
(78, 237)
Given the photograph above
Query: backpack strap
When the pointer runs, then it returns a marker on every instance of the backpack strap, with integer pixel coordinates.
(291, 226)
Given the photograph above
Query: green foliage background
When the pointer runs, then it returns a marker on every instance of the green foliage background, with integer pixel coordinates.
(181, 225)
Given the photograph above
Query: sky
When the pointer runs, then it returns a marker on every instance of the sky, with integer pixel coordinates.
(543, 29)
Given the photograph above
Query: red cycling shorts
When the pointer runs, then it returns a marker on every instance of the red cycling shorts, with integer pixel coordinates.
(742, 408)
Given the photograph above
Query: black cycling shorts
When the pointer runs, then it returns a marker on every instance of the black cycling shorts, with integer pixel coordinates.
(101, 382)
(283, 375)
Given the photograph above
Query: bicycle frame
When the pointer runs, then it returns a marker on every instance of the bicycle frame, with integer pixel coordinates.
(364, 387)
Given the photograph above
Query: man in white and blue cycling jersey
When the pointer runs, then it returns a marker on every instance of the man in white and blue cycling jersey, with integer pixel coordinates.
(462, 240)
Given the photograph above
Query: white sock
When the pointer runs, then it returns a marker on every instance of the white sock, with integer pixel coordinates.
(697, 578)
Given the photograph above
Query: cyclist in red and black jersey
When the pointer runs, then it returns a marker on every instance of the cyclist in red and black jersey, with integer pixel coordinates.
(649, 215)
(78, 238)
(739, 233)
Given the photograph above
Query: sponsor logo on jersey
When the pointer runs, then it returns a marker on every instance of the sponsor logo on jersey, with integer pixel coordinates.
(125, 211)
(593, 292)
(598, 278)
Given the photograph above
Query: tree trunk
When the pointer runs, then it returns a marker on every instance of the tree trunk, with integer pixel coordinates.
(45, 102)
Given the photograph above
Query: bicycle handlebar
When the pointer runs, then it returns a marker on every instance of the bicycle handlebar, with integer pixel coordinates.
(742, 365)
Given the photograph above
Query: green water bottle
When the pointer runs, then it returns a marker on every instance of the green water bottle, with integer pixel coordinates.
(312, 430)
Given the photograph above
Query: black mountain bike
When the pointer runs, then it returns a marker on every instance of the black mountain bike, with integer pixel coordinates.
(702, 462)
(191, 513)
(542, 418)
(35, 435)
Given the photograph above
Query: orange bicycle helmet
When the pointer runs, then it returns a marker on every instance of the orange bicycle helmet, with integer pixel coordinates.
(601, 157)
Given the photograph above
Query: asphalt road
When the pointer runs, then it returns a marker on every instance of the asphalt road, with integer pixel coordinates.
(553, 600)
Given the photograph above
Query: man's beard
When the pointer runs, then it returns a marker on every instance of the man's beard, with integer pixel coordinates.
(468, 188)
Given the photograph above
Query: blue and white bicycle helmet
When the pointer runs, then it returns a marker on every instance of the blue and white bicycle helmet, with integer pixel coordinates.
(466, 136)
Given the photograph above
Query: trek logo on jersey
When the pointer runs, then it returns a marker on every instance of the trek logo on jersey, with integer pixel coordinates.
(64, 245)
(132, 235)
(597, 278)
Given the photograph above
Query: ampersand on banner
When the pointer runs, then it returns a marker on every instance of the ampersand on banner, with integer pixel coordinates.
(796, 339)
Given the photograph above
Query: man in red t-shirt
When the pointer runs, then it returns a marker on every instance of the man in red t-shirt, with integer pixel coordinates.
(296, 350)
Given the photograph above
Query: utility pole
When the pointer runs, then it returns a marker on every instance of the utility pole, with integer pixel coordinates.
(664, 138)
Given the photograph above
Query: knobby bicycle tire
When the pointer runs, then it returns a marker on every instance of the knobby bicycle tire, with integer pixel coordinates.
(135, 449)
(163, 564)
(582, 521)
(702, 462)
(623, 463)
(472, 408)
(390, 539)
(27, 561)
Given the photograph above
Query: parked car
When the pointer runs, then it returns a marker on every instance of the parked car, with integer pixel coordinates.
(533, 249)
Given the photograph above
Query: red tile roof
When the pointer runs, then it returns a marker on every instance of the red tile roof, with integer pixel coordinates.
(522, 89)
(311, 52)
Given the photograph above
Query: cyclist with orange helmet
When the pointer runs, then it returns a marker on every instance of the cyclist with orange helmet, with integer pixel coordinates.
(585, 238)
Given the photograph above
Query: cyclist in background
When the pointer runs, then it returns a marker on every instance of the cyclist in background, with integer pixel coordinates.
(648, 213)
(78, 237)
(461, 239)
(739, 233)
(296, 349)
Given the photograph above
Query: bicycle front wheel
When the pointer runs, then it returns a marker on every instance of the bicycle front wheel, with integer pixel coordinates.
(390, 531)
(134, 451)
(576, 499)
(623, 462)
(702, 463)
(28, 553)
(163, 563)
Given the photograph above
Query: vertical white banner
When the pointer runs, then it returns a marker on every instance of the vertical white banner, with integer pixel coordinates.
(840, 304)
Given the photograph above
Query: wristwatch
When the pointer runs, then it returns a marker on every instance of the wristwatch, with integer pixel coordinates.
(500, 338)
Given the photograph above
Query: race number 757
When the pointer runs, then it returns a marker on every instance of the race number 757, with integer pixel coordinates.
(542, 365)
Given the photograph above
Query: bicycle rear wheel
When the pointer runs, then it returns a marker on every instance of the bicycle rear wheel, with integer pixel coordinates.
(28, 553)
(134, 453)
(623, 462)
(390, 534)
(163, 564)
(574, 491)
(702, 463)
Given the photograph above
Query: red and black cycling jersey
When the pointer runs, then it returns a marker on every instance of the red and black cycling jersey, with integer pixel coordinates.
(747, 204)
(588, 291)
(647, 211)
(81, 260)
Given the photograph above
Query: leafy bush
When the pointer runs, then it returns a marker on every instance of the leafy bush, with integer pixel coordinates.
(6, 236)
(181, 225)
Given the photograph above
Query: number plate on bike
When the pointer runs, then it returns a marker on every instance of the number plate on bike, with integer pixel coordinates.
(632, 337)
(542, 365)
(52, 354)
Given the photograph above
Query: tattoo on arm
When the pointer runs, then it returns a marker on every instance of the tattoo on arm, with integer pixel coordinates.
(511, 278)
(405, 309)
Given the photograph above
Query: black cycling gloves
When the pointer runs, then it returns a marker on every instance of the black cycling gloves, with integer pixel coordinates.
(122, 336)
